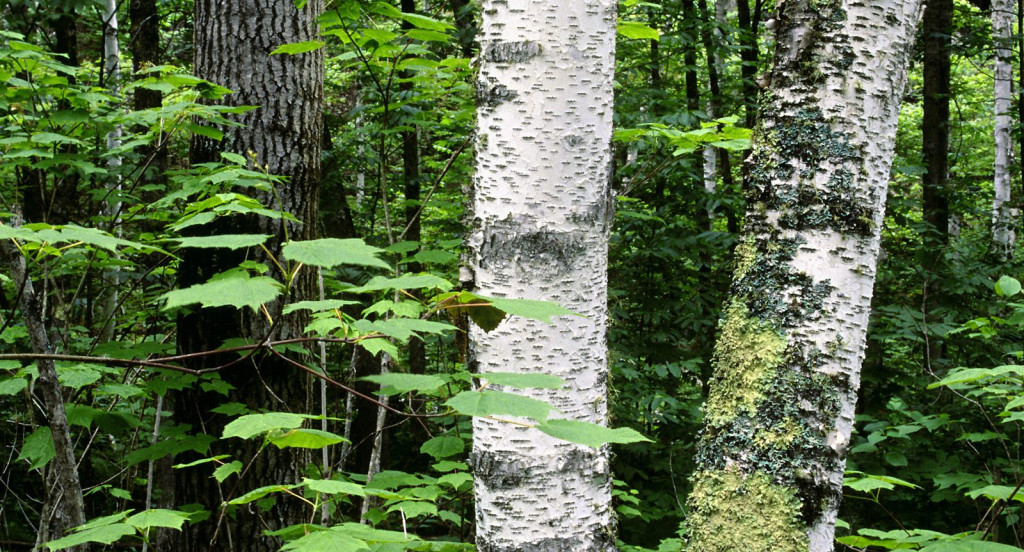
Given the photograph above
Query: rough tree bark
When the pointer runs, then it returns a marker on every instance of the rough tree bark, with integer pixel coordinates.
(232, 42)
(63, 506)
(541, 214)
(1003, 234)
(771, 456)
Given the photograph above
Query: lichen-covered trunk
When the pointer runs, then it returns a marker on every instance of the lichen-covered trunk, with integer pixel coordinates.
(233, 41)
(541, 213)
(777, 424)
(1003, 234)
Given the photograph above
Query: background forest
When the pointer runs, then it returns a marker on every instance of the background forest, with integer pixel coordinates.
(103, 192)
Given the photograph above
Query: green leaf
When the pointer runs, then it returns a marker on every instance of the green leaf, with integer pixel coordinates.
(443, 446)
(411, 509)
(223, 241)
(12, 386)
(251, 425)
(261, 492)
(1007, 287)
(328, 304)
(635, 30)
(232, 289)
(533, 381)
(969, 546)
(331, 252)
(107, 534)
(998, 492)
(224, 471)
(424, 22)
(455, 480)
(332, 539)
(158, 518)
(330, 486)
(499, 403)
(298, 47)
(304, 438)
(530, 308)
(38, 448)
(589, 434)
(79, 375)
(406, 281)
(405, 383)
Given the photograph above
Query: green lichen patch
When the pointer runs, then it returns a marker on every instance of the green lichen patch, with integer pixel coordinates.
(774, 292)
(792, 152)
(731, 511)
(747, 355)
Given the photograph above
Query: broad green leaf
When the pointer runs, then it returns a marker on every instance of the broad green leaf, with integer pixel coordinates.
(591, 435)
(234, 289)
(158, 518)
(530, 308)
(968, 375)
(1007, 286)
(998, 492)
(107, 534)
(424, 22)
(331, 252)
(969, 546)
(327, 304)
(79, 375)
(226, 470)
(404, 329)
(330, 486)
(635, 30)
(261, 492)
(443, 446)
(251, 425)
(499, 403)
(304, 438)
(298, 47)
(319, 541)
(411, 509)
(38, 448)
(868, 483)
(405, 383)
(455, 480)
(533, 381)
(12, 386)
(201, 461)
(223, 241)
(406, 281)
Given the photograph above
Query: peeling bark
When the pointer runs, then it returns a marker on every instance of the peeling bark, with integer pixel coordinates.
(772, 449)
(540, 222)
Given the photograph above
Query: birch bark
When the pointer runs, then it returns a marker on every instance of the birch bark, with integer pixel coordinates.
(771, 455)
(541, 213)
(1003, 235)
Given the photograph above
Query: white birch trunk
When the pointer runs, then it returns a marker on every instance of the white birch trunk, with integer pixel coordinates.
(1003, 235)
(112, 70)
(772, 451)
(540, 231)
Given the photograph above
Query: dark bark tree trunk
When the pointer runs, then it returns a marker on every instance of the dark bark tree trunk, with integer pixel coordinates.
(937, 27)
(413, 210)
(465, 22)
(232, 43)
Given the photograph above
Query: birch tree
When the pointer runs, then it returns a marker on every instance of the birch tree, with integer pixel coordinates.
(541, 216)
(1002, 215)
(777, 425)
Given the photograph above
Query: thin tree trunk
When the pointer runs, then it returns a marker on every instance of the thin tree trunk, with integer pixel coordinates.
(937, 27)
(771, 455)
(1003, 234)
(541, 211)
(63, 506)
(233, 41)
(411, 183)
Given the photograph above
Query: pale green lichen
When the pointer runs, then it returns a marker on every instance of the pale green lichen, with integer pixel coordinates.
(779, 436)
(747, 356)
(731, 512)
(745, 254)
